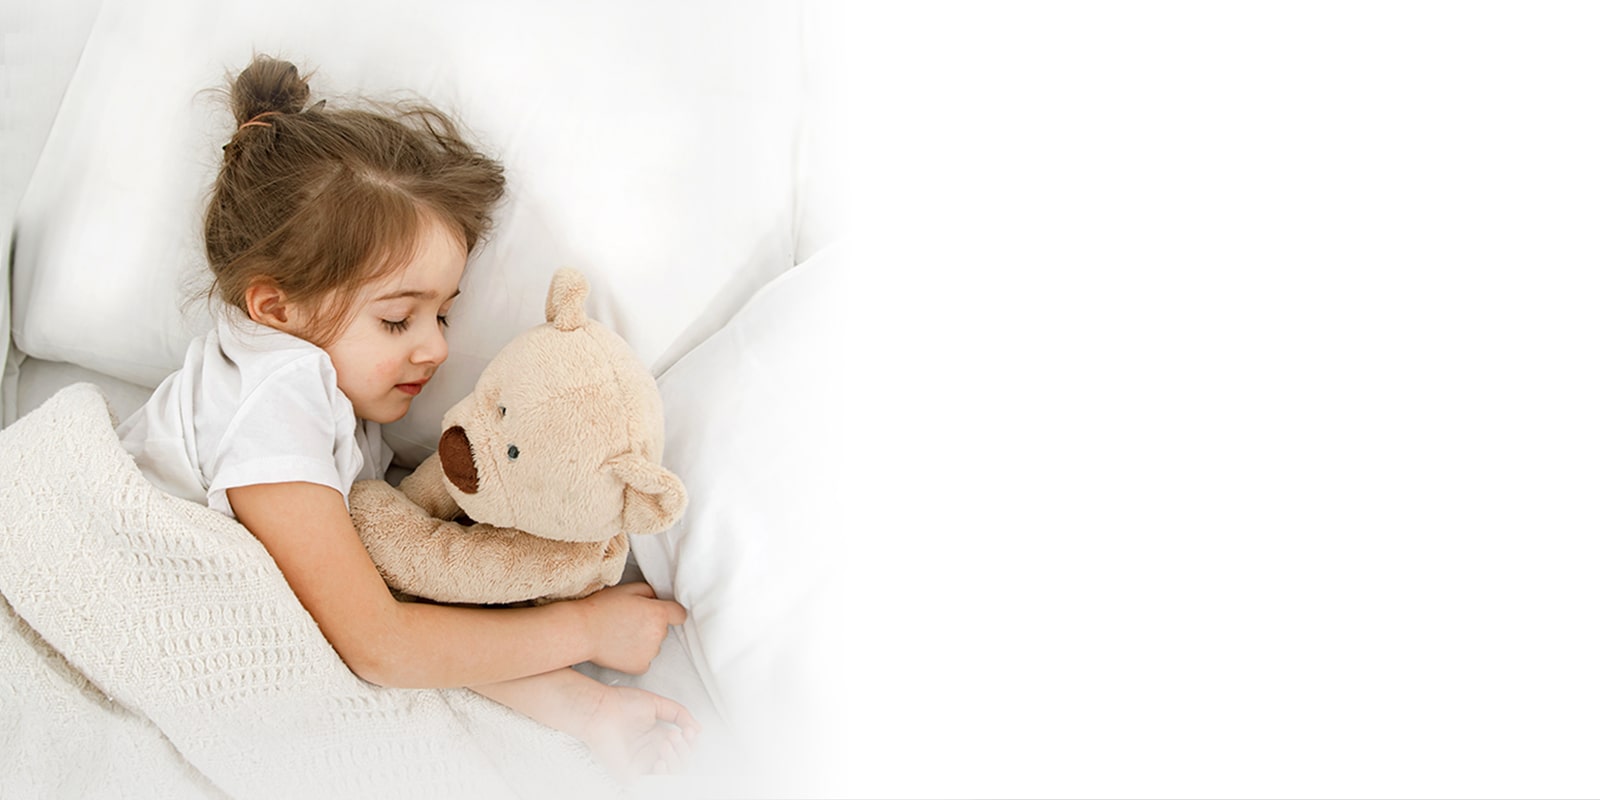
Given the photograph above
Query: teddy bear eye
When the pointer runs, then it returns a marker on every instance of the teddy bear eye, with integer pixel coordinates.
(511, 452)
(502, 411)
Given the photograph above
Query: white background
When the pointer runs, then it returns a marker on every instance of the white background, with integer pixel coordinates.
(1228, 397)
(1226, 422)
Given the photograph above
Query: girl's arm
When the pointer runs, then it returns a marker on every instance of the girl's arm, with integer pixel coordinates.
(307, 530)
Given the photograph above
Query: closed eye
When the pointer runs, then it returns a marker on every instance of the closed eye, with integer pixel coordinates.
(443, 321)
(397, 327)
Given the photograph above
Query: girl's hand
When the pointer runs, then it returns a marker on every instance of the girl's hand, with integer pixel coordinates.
(627, 623)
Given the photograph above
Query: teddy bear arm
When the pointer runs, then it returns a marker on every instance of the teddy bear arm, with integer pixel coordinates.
(613, 559)
(398, 535)
(570, 569)
(426, 488)
(483, 563)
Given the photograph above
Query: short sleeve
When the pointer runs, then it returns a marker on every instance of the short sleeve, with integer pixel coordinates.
(294, 426)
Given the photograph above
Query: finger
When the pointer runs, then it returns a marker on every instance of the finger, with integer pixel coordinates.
(646, 756)
(680, 748)
(644, 666)
(674, 712)
(651, 758)
(639, 588)
(676, 614)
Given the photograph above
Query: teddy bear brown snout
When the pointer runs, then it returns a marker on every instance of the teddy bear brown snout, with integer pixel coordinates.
(455, 456)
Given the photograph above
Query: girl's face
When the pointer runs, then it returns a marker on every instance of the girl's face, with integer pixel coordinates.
(395, 339)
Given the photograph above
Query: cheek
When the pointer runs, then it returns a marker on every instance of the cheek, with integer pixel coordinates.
(393, 368)
(364, 367)
(380, 370)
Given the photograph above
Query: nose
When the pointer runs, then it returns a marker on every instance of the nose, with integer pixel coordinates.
(455, 456)
(433, 349)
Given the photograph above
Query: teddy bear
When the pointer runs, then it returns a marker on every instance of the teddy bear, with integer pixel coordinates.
(542, 473)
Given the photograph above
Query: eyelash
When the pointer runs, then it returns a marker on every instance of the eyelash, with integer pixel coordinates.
(400, 327)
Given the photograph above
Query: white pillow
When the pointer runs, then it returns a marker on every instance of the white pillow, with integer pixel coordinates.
(751, 431)
(650, 145)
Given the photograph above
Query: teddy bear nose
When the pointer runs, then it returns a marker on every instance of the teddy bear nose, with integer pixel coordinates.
(455, 456)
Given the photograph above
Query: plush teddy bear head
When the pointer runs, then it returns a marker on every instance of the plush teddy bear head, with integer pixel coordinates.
(562, 436)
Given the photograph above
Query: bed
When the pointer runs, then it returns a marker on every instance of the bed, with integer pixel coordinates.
(677, 154)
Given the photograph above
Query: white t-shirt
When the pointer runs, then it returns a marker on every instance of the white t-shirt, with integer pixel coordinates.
(251, 405)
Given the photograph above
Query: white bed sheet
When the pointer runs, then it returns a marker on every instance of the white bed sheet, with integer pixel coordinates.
(37, 380)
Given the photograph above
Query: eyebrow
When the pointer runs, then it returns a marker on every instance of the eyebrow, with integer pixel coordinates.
(426, 295)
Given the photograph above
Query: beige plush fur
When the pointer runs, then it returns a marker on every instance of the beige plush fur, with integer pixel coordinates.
(555, 458)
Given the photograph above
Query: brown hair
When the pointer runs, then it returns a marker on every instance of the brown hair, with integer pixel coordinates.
(320, 201)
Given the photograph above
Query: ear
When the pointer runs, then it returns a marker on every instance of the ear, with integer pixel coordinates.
(563, 306)
(268, 305)
(653, 498)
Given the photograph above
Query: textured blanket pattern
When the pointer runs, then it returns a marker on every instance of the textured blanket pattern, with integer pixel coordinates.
(150, 647)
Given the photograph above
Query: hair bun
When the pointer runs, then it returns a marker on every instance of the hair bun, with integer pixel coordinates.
(268, 85)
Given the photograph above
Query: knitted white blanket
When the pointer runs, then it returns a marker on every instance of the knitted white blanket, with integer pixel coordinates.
(150, 647)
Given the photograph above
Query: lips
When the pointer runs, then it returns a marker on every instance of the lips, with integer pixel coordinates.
(411, 388)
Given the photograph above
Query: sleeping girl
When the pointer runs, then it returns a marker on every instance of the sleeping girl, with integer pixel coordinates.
(337, 239)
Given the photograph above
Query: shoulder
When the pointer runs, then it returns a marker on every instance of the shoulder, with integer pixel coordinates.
(265, 384)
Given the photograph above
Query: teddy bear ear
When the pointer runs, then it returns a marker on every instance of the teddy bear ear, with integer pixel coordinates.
(653, 498)
(563, 307)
